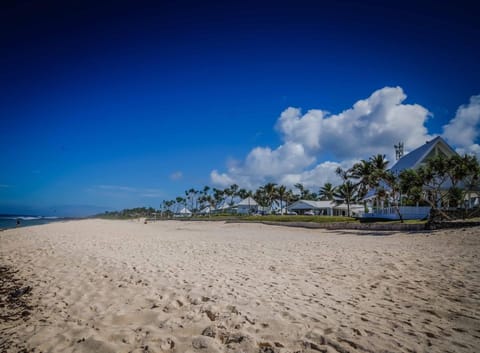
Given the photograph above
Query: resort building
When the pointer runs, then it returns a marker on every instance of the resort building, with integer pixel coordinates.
(324, 208)
(419, 156)
(184, 212)
(413, 160)
(247, 206)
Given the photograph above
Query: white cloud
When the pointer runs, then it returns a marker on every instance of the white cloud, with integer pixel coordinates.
(117, 188)
(463, 131)
(120, 190)
(152, 193)
(221, 179)
(371, 126)
(176, 175)
(319, 175)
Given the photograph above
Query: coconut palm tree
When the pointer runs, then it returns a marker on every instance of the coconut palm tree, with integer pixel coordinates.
(347, 193)
(179, 201)
(327, 192)
(233, 192)
(281, 193)
(270, 192)
(243, 193)
(379, 162)
(301, 189)
(305, 194)
(363, 171)
(343, 174)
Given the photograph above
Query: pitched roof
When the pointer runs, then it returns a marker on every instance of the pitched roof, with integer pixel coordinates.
(206, 209)
(224, 206)
(415, 157)
(312, 204)
(412, 160)
(247, 202)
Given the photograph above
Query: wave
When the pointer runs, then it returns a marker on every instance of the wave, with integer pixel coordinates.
(26, 218)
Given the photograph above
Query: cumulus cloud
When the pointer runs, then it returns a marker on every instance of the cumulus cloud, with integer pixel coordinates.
(463, 130)
(371, 126)
(221, 179)
(320, 174)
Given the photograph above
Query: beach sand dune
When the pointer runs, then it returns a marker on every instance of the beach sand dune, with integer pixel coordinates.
(124, 286)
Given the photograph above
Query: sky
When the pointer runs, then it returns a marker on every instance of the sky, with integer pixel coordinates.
(112, 104)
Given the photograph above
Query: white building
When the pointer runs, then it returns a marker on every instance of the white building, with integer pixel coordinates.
(247, 206)
(412, 160)
(325, 208)
(184, 212)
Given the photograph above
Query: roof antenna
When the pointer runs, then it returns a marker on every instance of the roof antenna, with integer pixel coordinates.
(399, 150)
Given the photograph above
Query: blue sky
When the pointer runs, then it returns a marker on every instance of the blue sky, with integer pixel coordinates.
(122, 104)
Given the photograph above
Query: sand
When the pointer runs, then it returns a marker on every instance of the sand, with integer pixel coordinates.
(170, 286)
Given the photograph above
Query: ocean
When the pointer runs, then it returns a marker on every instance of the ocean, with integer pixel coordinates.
(10, 221)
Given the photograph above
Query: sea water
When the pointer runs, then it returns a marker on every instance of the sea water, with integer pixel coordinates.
(10, 221)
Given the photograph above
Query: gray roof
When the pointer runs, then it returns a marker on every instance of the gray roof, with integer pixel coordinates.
(247, 202)
(416, 156)
(411, 160)
(309, 204)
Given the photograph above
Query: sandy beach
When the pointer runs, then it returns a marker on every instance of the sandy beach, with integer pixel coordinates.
(125, 286)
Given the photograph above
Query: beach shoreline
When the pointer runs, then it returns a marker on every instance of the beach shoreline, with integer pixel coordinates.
(125, 286)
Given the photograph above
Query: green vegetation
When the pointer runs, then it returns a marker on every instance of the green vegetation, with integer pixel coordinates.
(441, 182)
(128, 213)
(437, 183)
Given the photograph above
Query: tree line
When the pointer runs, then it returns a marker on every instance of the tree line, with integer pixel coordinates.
(441, 182)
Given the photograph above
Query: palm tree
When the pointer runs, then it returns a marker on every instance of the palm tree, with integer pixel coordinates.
(243, 193)
(429, 178)
(363, 171)
(261, 197)
(189, 197)
(300, 187)
(410, 186)
(343, 174)
(347, 193)
(379, 162)
(472, 178)
(393, 184)
(205, 194)
(270, 191)
(305, 194)
(327, 192)
(281, 193)
(291, 197)
(217, 196)
(233, 192)
(179, 200)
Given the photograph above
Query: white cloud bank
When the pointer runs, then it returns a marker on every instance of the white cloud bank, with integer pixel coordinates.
(371, 126)
(463, 131)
